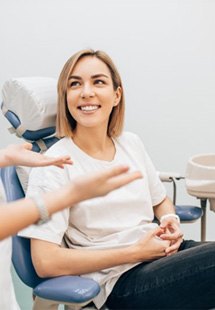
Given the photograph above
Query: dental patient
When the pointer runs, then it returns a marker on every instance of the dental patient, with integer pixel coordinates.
(139, 264)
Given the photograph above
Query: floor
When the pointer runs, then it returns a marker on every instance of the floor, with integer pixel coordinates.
(23, 293)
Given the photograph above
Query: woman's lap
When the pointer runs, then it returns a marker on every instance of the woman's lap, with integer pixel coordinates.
(185, 280)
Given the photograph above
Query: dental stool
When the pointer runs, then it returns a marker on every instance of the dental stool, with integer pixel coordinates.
(200, 183)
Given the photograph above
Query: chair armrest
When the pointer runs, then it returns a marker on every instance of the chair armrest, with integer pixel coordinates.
(166, 176)
(68, 289)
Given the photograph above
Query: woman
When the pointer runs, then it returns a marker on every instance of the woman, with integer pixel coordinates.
(18, 214)
(139, 264)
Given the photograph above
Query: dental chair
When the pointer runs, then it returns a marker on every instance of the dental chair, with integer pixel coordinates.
(33, 97)
(29, 104)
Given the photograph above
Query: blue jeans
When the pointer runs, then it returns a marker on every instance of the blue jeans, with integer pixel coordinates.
(185, 280)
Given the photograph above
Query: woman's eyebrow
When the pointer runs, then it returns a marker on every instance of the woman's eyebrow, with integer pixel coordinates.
(99, 75)
(75, 77)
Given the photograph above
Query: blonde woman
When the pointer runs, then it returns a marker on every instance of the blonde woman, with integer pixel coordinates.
(139, 264)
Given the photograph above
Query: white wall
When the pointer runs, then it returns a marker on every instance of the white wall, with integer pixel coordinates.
(164, 49)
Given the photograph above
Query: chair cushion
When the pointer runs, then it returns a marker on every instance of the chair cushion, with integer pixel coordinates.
(30, 103)
(188, 213)
(71, 289)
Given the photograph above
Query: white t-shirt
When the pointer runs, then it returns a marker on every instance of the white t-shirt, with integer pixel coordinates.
(117, 220)
(7, 295)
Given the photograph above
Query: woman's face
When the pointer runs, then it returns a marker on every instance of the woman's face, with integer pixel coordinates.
(90, 93)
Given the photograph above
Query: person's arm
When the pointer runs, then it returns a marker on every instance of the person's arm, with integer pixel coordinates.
(51, 260)
(21, 154)
(164, 210)
(16, 215)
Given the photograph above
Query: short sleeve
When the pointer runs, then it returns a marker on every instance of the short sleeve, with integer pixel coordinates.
(156, 187)
(47, 180)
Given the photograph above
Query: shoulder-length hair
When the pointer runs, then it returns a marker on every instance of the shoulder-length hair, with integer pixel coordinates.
(66, 124)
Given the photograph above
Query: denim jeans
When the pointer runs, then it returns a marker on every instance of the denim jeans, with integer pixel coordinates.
(185, 280)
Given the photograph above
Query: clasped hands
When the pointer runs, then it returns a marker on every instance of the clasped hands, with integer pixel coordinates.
(162, 241)
(170, 231)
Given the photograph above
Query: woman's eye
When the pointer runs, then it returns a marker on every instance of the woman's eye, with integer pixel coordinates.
(74, 84)
(99, 82)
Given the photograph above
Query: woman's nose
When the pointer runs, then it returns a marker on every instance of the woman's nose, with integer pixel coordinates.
(87, 91)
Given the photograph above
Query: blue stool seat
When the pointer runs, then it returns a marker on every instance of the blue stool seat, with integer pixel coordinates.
(188, 213)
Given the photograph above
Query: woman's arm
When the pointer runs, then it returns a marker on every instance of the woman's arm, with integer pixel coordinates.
(16, 215)
(51, 260)
(165, 207)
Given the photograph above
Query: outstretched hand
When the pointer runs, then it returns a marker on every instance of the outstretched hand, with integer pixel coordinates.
(22, 154)
(101, 183)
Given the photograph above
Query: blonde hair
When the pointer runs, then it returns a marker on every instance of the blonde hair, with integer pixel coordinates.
(66, 124)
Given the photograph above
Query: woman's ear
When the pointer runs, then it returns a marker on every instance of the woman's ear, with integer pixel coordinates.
(118, 95)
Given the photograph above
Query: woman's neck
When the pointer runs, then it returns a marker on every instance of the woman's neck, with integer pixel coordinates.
(95, 143)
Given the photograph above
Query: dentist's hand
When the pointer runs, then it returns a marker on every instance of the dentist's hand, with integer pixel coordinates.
(21, 154)
(101, 183)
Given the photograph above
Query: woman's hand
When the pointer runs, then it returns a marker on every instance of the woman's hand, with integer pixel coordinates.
(172, 233)
(21, 154)
(151, 247)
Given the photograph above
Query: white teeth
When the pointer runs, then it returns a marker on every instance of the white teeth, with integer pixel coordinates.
(89, 108)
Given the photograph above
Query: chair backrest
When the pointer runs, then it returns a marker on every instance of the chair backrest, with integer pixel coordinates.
(21, 254)
(29, 104)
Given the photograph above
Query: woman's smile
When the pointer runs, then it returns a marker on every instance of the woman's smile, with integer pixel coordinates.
(89, 108)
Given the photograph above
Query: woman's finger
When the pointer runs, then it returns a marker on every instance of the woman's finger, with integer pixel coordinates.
(173, 248)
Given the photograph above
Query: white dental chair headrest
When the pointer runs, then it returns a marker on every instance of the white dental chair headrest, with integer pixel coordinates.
(30, 105)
